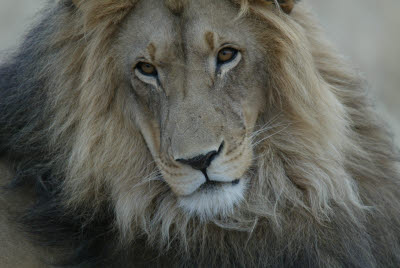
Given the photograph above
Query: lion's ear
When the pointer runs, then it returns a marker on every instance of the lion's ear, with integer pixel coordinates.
(68, 3)
(75, 2)
(286, 5)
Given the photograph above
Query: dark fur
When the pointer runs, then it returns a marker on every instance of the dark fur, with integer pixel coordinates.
(22, 140)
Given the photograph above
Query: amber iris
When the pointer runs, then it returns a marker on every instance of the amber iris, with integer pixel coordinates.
(226, 54)
(147, 68)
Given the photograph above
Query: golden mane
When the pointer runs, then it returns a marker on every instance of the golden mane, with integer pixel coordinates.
(315, 176)
(96, 155)
(318, 169)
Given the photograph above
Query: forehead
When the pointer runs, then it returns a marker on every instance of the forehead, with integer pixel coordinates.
(155, 22)
(162, 11)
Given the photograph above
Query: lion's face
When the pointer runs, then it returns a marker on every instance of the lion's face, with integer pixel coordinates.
(196, 81)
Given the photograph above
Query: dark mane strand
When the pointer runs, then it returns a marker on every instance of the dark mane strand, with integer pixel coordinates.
(23, 139)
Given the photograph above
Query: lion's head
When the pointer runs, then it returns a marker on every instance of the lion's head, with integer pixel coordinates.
(207, 110)
(189, 109)
(200, 121)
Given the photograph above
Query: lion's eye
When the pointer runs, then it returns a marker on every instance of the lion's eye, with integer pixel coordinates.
(226, 55)
(146, 68)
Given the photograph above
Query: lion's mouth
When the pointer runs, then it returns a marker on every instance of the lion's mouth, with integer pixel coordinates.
(211, 185)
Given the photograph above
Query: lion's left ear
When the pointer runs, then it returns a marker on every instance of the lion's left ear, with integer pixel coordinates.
(286, 5)
(68, 3)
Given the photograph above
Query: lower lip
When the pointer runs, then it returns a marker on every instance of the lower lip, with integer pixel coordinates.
(217, 183)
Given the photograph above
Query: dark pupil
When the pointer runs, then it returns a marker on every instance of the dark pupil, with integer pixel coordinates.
(225, 55)
(147, 68)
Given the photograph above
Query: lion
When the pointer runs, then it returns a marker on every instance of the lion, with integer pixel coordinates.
(191, 133)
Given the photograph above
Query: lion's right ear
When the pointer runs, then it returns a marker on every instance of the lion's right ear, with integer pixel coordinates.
(76, 2)
(68, 3)
(286, 5)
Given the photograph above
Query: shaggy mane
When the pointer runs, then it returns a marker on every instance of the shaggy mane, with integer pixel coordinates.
(65, 123)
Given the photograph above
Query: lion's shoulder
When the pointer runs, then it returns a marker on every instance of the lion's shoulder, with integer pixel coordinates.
(15, 248)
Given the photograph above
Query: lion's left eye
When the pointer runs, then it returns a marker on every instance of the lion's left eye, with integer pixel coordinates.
(147, 69)
(226, 55)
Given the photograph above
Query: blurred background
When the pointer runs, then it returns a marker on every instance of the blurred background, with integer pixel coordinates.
(367, 32)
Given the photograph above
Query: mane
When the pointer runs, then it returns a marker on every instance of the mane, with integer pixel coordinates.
(66, 123)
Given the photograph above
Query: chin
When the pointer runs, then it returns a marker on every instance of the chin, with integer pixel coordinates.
(214, 200)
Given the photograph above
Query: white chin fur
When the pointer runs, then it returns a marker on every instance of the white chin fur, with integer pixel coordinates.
(215, 202)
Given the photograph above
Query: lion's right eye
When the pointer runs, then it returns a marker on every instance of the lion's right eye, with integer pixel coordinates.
(226, 55)
(146, 69)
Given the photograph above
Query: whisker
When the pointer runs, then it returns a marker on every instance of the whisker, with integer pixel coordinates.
(269, 121)
(269, 136)
(266, 129)
(266, 126)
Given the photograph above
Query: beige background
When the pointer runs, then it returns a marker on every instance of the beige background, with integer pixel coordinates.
(367, 32)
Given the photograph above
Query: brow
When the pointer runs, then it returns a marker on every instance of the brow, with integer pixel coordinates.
(176, 6)
(209, 37)
(151, 49)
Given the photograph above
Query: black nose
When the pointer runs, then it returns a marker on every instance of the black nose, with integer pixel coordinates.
(201, 162)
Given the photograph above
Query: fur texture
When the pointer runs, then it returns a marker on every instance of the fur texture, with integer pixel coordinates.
(323, 188)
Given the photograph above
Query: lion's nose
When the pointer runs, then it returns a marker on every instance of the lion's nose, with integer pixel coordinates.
(201, 162)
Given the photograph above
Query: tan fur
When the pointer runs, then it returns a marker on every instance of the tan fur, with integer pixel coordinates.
(308, 144)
